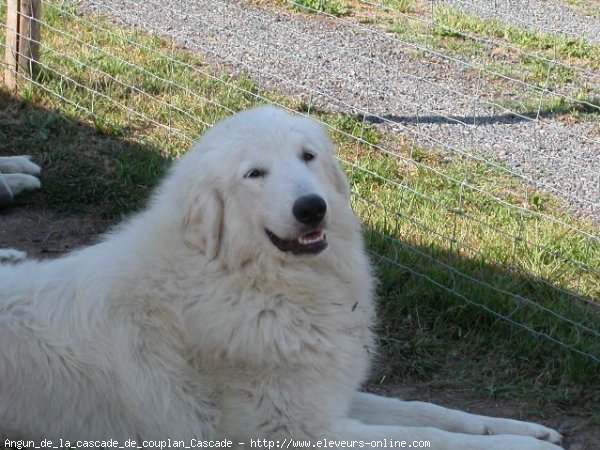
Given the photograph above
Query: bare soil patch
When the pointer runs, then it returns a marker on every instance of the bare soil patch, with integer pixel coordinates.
(45, 234)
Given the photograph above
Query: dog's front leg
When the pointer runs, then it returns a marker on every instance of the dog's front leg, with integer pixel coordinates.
(374, 409)
(354, 434)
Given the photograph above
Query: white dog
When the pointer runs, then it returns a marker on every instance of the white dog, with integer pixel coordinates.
(237, 306)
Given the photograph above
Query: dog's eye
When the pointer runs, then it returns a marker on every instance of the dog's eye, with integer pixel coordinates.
(255, 173)
(308, 156)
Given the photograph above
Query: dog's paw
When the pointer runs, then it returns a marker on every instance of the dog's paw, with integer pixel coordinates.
(19, 182)
(11, 255)
(19, 164)
(508, 426)
(548, 434)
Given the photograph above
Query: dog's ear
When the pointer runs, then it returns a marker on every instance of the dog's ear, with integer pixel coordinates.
(203, 221)
(339, 178)
(320, 138)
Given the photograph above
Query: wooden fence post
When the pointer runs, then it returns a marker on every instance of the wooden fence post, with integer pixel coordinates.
(12, 30)
(22, 40)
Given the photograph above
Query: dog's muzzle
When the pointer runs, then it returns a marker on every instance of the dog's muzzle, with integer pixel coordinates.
(309, 210)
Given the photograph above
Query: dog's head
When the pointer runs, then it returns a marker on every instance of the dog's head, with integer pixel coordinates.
(264, 181)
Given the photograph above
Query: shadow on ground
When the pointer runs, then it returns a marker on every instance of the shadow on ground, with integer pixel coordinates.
(492, 119)
(84, 169)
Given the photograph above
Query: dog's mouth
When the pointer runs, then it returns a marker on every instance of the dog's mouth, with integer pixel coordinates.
(312, 242)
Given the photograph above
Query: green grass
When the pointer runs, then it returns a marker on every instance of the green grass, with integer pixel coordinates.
(536, 63)
(402, 6)
(588, 7)
(332, 7)
(583, 106)
(456, 242)
(509, 52)
(344, 8)
(452, 22)
(433, 333)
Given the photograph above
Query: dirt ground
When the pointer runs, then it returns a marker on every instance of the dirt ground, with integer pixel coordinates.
(44, 234)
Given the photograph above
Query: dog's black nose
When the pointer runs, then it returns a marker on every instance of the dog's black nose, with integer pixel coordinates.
(310, 209)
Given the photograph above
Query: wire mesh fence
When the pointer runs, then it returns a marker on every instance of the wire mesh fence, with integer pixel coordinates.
(469, 130)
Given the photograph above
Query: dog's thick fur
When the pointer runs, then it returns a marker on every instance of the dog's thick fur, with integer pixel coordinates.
(188, 321)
